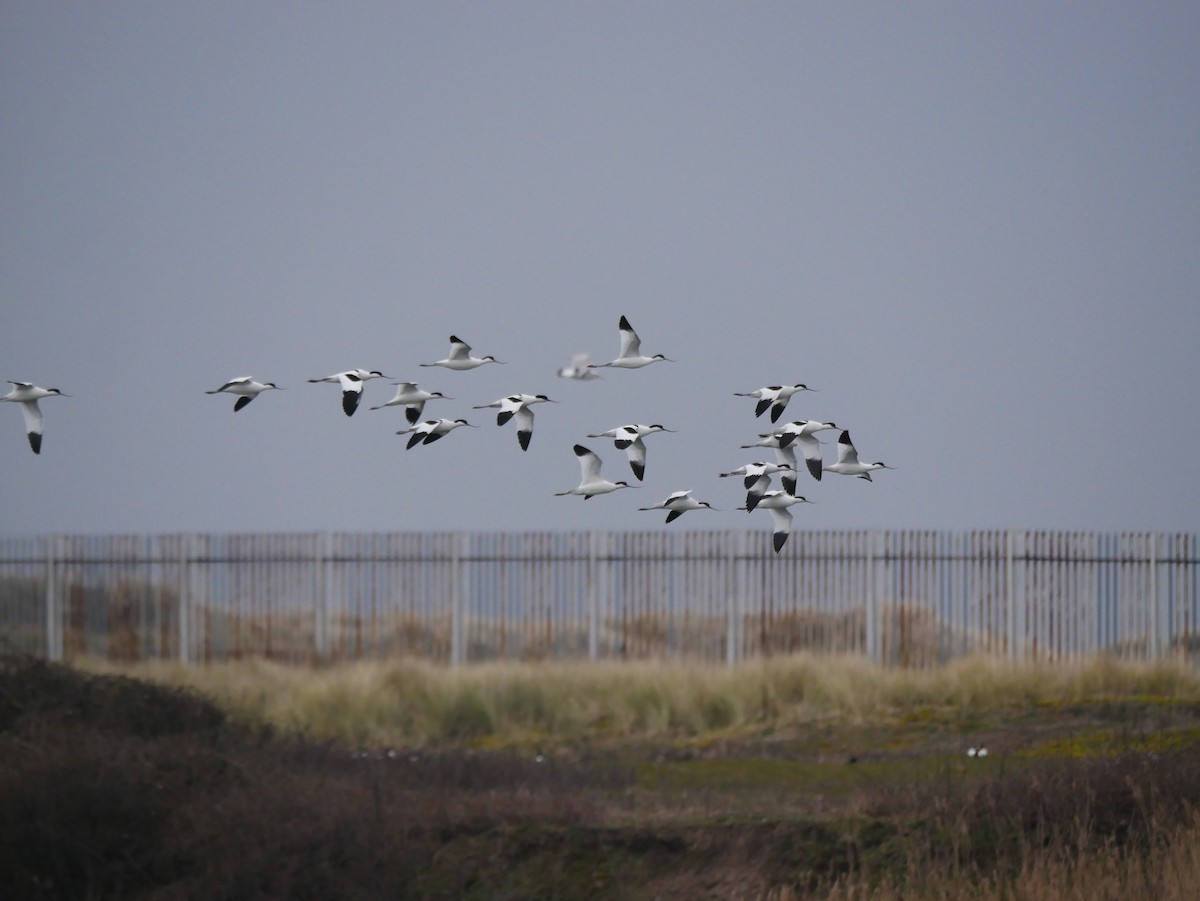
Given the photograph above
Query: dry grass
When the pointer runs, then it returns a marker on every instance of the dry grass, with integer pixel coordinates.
(406, 703)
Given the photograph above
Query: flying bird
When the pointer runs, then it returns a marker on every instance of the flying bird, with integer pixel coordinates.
(579, 369)
(412, 399)
(246, 388)
(27, 395)
(774, 396)
(757, 479)
(847, 460)
(631, 356)
(460, 358)
(351, 382)
(431, 430)
(518, 405)
(679, 503)
(590, 482)
(785, 455)
(629, 439)
(777, 503)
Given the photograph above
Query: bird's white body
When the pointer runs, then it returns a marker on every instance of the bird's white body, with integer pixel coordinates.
(631, 356)
(27, 395)
(246, 388)
(757, 479)
(580, 369)
(678, 503)
(351, 382)
(777, 503)
(847, 460)
(408, 395)
(460, 358)
(590, 481)
(786, 457)
(775, 397)
(629, 439)
(518, 405)
(431, 430)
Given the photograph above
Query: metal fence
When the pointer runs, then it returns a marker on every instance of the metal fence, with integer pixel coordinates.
(910, 598)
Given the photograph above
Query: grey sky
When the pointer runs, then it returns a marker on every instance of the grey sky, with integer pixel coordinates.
(974, 228)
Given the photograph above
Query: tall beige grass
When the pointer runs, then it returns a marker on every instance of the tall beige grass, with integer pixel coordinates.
(417, 703)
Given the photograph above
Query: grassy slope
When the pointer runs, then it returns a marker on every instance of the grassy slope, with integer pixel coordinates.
(801, 775)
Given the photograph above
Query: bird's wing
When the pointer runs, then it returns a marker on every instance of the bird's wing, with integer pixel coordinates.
(459, 349)
(846, 451)
(589, 465)
(413, 411)
(811, 447)
(676, 497)
(33, 416)
(781, 518)
(631, 344)
(636, 451)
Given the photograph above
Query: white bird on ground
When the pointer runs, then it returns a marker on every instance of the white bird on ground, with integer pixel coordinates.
(431, 430)
(246, 388)
(785, 455)
(777, 503)
(412, 399)
(27, 395)
(774, 396)
(847, 461)
(460, 358)
(679, 503)
(631, 356)
(629, 439)
(351, 382)
(518, 405)
(580, 369)
(757, 479)
(590, 483)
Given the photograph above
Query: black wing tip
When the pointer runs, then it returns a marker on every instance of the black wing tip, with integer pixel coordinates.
(789, 485)
(414, 440)
(241, 402)
(625, 324)
(674, 515)
(523, 439)
(35, 441)
(639, 470)
(844, 438)
(412, 414)
(761, 407)
(503, 417)
(581, 451)
(777, 411)
(814, 468)
(454, 339)
(350, 402)
(778, 540)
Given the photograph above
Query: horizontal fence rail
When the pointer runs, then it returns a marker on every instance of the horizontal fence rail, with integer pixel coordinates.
(906, 598)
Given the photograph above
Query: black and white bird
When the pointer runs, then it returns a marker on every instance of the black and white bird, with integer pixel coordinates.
(580, 369)
(460, 358)
(631, 356)
(27, 395)
(246, 388)
(431, 430)
(847, 460)
(409, 396)
(518, 405)
(590, 481)
(351, 382)
(775, 397)
(757, 479)
(629, 439)
(678, 503)
(777, 503)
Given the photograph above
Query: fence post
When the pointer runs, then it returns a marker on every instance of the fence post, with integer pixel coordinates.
(185, 599)
(594, 593)
(460, 551)
(54, 613)
(1016, 610)
(736, 600)
(1155, 643)
(325, 596)
(871, 625)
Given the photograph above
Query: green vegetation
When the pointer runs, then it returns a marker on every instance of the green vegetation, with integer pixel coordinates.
(796, 778)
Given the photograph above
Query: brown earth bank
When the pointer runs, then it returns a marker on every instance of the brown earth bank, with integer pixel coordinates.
(113, 787)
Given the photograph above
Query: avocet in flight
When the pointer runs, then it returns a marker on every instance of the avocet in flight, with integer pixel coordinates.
(580, 369)
(27, 395)
(847, 460)
(777, 503)
(518, 405)
(460, 358)
(431, 430)
(246, 388)
(590, 482)
(774, 396)
(679, 503)
(412, 399)
(785, 455)
(631, 356)
(757, 479)
(629, 439)
(351, 382)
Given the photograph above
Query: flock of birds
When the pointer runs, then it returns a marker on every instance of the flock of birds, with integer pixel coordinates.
(786, 440)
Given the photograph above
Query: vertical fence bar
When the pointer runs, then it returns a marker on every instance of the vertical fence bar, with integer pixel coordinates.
(460, 552)
(871, 621)
(54, 612)
(324, 561)
(184, 614)
(1155, 617)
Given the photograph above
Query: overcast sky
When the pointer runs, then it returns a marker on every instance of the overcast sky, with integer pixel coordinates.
(975, 228)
